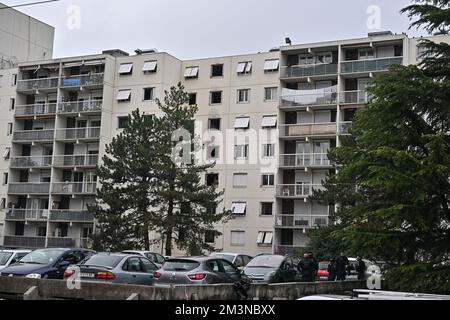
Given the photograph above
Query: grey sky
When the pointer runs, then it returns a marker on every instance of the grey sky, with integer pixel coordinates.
(205, 28)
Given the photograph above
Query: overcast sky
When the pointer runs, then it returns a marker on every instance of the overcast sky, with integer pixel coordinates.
(191, 29)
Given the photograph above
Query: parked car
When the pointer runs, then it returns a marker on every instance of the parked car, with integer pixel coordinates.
(353, 274)
(115, 268)
(154, 257)
(239, 260)
(329, 297)
(272, 268)
(323, 273)
(9, 257)
(197, 270)
(46, 263)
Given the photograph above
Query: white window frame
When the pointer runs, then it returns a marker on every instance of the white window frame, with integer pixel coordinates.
(209, 149)
(261, 209)
(264, 238)
(245, 94)
(242, 123)
(363, 54)
(241, 237)
(268, 150)
(269, 122)
(152, 95)
(9, 129)
(213, 129)
(118, 121)
(14, 79)
(191, 72)
(271, 65)
(239, 208)
(268, 185)
(126, 68)
(5, 178)
(241, 152)
(240, 180)
(211, 103)
(273, 93)
(124, 95)
(327, 57)
(150, 66)
(244, 68)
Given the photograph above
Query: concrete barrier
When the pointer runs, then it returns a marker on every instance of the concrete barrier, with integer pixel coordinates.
(42, 289)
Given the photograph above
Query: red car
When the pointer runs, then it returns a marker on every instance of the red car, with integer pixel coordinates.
(322, 273)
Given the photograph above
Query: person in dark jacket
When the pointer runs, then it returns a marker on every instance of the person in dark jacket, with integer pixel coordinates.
(306, 267)
(332, 270)
(341, 267)
(361, 268)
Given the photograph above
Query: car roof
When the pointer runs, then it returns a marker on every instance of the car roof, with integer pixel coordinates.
(139, 251)
(15, 250)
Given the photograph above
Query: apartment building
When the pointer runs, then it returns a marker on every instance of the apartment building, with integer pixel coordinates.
(266, 119)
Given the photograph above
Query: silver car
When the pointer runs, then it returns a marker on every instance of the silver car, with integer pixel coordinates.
(154, 257)
(197, 270)
(239, 260)
(115, 268)
(9, 257)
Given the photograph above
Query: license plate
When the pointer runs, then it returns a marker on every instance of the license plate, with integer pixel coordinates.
(87, 275)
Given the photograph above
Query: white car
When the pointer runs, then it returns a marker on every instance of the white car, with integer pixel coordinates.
(328, 297)
(8, 257)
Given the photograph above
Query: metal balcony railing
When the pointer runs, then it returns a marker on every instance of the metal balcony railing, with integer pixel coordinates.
(34, 135)
(303, 160)
(293, 250)
(300, 221)
(300, 71)
(31, 162)
(304, 98)
(61, 242)
(369, 65)
(74, 187)
(27, 214)
(71, 216)
(82, 80)
(80, 106)
(24, 242)
(37, 109)
(36, 84)
(354, 97)
(297, 190)
(80, 160)
(78, 133)
(308, 129)
(29, 187)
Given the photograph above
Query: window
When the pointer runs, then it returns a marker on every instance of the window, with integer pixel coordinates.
(268, 150)
(320, 221)
(214, 124)
(3, 203)
(270, 94)
(126, 69)
(242, 123)
(9, 129)
(237, 238)
(265, 238)
(269, 122)
(148, 94)
(122, 122)
(14, 80)
(240, 180)
(12, 104)
(192, 99)
(217, 70)
(243, 95)
(7, 153)
(241, 151)
(268, 180)
(364, 54)
(124, 95)
(215, 97)
(150, 66)
(244, 68)
(266, 208)
(325, 58)
(271, 65)
(213, 152)
(1, 81)
(210, 237)
(191, 72)
(423, 52)
(42, 231)
(5, 178)
(239, 208)
(212, 180)
(305, 59)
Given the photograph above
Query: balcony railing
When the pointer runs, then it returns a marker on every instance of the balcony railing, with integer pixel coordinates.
(37, 109)
(354, 97)
(31, 162)
(78, 133)
(82, 160)
(71, 216)
(304, 98)
(370, 65)
(82, 80)
(24, 242)
(74, 187)
(34, 135)
(36, 84)
(297, 190)
(29, 188)
(300, 71)
(303, 160)
(80, 106)
(300, 221)
(65, 242)
(27, 214)
(308, 129)
(293, 250)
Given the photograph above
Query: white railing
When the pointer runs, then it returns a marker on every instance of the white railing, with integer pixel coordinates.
(29, 187)
(300, 221)
(33, 135)
(82, 80)
(31, 162)
(309, 70)
(304, 160)
(368, 65)
(78, 133)
(35, 109)
(80, 106)
(308, 129)
(297, 190)
(298, 98)
(27, 214)
(79, 160)
(36, 84)
(74, 187)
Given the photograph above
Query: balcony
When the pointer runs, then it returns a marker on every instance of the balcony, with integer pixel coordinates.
(84, 80)
(304, 160)
(37, 84)
(33, 135)
(306, 98)
(27, 214)
(308, 129)
(370, 65)
(70, 161)
(300, 221)
(71, 216)
(75, 107)
(24, 242)
(75, 134)
(354, 97)
(34, 110)
(26, 188)
(310, 70)
(289, 250)
(31, 162)
(299, 191)
(81, 188)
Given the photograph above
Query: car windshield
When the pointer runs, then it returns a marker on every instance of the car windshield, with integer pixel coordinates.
(266, 262)
(323, 265)
(180, 265)
(103, 261)
(42, 256)
(228, 257)
(4, 257)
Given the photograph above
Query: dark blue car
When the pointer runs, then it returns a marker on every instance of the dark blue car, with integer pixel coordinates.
(46, 263)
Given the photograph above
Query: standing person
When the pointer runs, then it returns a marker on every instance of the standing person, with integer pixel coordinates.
(306, 267)
(341, 266)
(332, 270)
(360, 268)
(315, 266)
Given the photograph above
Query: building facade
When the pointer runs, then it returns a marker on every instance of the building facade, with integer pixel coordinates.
(266, 119)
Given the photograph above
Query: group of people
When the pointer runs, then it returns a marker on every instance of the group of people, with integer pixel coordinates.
(338, 268)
